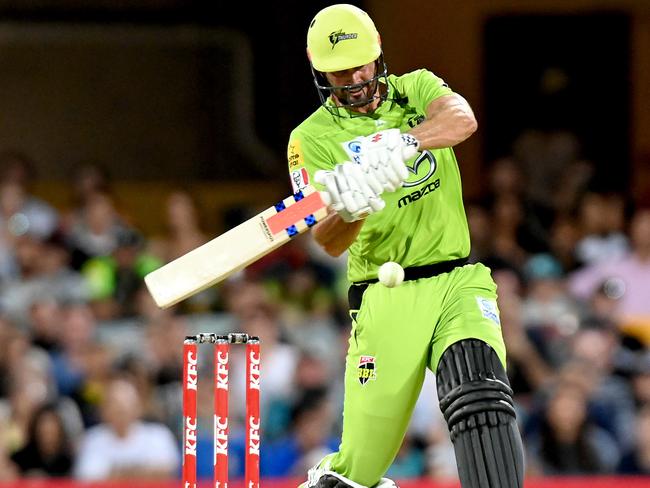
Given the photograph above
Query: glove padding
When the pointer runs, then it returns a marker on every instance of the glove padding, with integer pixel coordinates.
(385, 153)
(352, 192)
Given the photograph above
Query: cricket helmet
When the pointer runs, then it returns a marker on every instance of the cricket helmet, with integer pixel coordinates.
(342, 37)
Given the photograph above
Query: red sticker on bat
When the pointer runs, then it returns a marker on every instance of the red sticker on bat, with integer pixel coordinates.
(295, 213)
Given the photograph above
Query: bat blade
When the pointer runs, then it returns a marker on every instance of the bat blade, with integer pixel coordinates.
(232, 251)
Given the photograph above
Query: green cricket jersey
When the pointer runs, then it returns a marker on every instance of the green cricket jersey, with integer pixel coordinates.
(424, 221)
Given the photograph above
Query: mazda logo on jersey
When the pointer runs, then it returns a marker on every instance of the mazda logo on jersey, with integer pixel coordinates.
(423, 167)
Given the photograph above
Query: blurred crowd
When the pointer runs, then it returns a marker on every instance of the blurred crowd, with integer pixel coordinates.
(90, 368)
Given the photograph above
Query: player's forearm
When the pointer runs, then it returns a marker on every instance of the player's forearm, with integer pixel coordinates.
(449, 121)
(335, 235)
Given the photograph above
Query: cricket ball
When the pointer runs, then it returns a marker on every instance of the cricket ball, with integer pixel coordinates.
(391, 274)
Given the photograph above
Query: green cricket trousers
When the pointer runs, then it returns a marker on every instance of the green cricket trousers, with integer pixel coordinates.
(396, 334)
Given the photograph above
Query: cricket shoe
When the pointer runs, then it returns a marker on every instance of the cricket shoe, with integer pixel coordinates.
(321, 476)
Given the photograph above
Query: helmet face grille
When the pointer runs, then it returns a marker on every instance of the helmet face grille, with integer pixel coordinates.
(341, 37)
(325, 90)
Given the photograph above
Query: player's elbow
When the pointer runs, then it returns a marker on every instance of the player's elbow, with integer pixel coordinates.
(472, 125)
(469, 124)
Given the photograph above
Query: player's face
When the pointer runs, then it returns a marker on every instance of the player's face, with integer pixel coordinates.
(354, 76)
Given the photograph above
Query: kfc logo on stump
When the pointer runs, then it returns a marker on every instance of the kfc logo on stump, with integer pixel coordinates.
(191, 371)
(222, 370)
(254, 436)
(366, 369)
(190, 436)
(254, 376)
(220, 436)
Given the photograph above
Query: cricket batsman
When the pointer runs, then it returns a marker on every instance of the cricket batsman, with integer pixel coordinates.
(380, 147)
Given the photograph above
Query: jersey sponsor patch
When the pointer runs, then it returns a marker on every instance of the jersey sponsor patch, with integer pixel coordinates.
(366, 369)
(353, 150)
(423, 167)
(414, 196)
(294, 155)
(489, 309)
(299, 179)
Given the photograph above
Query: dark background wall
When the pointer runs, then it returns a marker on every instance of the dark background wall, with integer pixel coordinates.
(165, 105)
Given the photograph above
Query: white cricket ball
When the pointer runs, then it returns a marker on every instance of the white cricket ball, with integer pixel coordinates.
(391, 274)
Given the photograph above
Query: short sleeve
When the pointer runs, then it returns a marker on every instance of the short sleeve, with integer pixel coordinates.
(423, 87)
(304, 159)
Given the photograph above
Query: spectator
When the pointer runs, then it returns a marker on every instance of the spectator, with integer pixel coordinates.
(45, 321)
(549, 313)
(95, 230)
(602, 220)
(527, 369)
(88, 180)
(78, 330)
(44, 274)
(611, 399)
(29, 386)
(124, 447)
(183, 233)
(47, 451)
(279, 359)
(115, 279)
(183, 227)
(568, 442)
(641, 380)
(633, 271)
(410, 461)
(563, 237)
(479, 221)
(545, 158)
(23, 212)
(8, 470)
(309, 440)
(637, 460)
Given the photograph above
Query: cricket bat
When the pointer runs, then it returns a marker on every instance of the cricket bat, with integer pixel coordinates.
(232, 251)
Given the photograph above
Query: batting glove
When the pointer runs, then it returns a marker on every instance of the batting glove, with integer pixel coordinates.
(352, 192)
(385, 153)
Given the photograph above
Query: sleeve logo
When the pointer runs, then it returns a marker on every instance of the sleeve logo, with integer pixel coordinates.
(299, 179)
(294, 155)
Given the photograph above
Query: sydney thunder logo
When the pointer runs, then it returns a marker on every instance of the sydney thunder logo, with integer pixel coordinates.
(339, 35)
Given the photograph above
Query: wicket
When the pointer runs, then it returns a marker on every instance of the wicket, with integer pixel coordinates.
(190, 423)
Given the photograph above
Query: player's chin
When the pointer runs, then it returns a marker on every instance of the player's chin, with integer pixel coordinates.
(358, 99)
